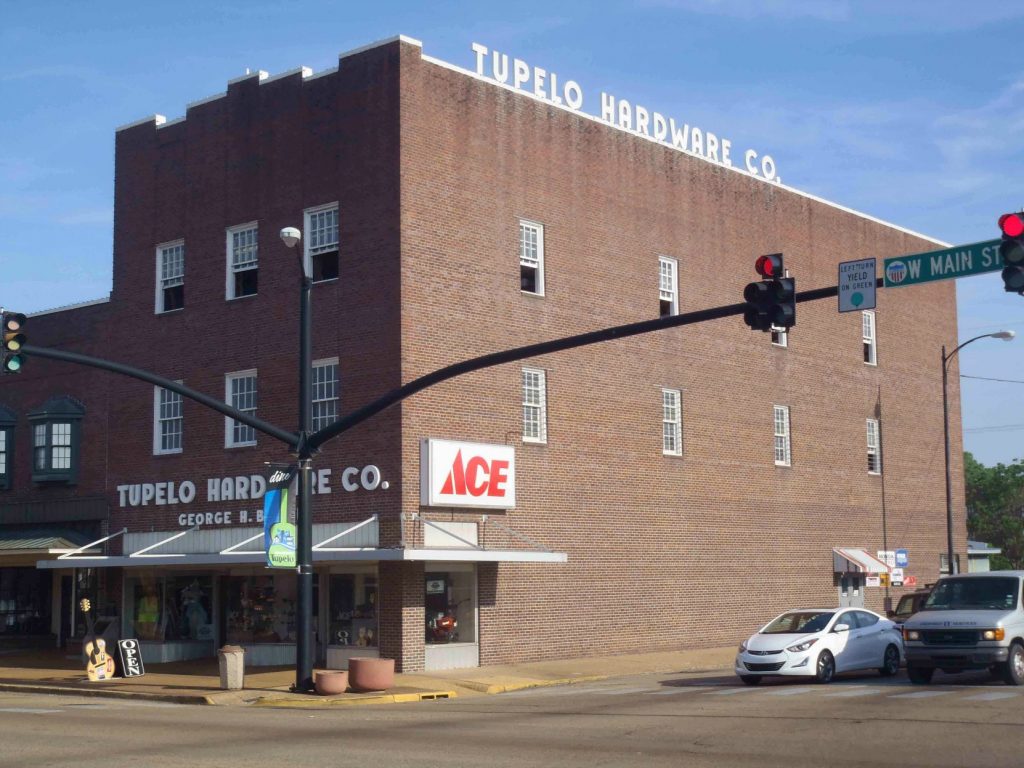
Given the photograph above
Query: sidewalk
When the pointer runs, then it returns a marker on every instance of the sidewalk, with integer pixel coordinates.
(198, 682)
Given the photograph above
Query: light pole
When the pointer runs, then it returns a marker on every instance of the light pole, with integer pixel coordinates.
(290, 236)
(1005, 336)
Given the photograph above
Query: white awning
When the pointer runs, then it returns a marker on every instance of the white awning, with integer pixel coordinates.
(336, 556)
(850, 560)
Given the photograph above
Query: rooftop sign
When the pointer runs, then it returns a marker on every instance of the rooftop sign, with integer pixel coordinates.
(622, 114)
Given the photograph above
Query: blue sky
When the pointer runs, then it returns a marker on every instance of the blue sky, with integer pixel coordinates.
(909, 111)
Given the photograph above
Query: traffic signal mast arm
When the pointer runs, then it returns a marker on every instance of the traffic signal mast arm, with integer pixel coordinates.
(544, 348)
(291, 438)
(315, 440)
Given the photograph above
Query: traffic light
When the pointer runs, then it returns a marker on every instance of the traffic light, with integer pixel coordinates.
(13, 340)
(1011, 250)
(771, 303)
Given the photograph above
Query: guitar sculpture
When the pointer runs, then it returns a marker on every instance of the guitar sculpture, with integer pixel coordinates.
(99, 664)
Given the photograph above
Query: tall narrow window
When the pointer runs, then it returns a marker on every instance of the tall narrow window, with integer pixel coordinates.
(870, 347)
(240, 394)
(168, 421)
(783, 455)
(325, 393)
(668, 286)
(874, 449)
(535, 406)
(322, 241)
(531, 257)
(671, 422)
(170, 276)
(243, 261)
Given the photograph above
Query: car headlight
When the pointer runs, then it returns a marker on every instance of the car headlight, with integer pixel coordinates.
(993, 634)
(911, 634)
(743, 646)
(801, 647)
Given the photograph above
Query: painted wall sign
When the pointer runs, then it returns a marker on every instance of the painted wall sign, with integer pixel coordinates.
(251, 488)
(459, 474)
(621, 113)
(131, 658)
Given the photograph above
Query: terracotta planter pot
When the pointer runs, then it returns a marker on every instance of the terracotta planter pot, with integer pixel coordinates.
(367, 674)
(330, 683)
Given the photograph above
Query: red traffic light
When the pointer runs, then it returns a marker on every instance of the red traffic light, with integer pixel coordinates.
(1012, 224)
(769, 266)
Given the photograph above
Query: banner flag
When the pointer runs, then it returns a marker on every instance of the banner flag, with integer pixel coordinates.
(278, 512)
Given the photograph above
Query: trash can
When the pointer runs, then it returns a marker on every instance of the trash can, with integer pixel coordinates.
(232, 667)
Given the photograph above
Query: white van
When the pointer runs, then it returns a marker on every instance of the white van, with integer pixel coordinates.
(969, 621)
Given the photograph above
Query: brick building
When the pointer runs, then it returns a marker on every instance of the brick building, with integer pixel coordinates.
(671, 489)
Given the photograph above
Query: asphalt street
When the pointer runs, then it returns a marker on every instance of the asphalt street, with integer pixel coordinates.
(691, 720)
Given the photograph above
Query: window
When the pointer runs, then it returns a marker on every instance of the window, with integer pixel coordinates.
(56, 440)
(535, 406)
(780, 337)
(243, 261)
(671, 422)
(874, 450)
(944, 562)
(170, 276)
(168, 421)
(783, 455)
(668, 286)
(240, 394)
(870, 351)
(531, 257)
(322, 241)
(325, 393)
(7, 421)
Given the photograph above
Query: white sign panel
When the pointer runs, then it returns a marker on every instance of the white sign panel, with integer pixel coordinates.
(459, 474)
(872, 581)
(887, 556)
(857, 283)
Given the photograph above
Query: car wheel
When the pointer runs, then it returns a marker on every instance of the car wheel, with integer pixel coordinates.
(920, 675)
(1013, 669)
(751, 679)
(825, 670)
(890, 661)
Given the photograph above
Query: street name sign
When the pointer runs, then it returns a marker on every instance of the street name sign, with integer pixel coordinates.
(857, 285)
(947, 264)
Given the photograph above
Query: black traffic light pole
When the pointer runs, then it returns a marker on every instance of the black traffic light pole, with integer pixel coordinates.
(306, 445)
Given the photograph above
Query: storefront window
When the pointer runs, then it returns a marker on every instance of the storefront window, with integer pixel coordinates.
(450, 607)
(24, 601)
(261, 608)
(353, 609)
(171, 608)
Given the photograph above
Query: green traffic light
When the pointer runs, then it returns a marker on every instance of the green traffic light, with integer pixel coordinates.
(13, 364)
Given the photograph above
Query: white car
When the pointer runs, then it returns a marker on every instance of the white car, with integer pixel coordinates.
(819, 643)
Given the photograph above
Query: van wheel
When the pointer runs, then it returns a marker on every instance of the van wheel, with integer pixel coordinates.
(920, 675)
(1013, 669)
(751, 679)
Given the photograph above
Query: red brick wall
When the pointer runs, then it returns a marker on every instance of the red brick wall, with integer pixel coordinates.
(663, 551)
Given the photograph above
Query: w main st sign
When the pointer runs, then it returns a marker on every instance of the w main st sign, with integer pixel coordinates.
(460, 474)
(947, 264)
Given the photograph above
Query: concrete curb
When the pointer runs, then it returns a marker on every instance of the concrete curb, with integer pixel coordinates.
(103, 693)
(320, 702)
(525, 684)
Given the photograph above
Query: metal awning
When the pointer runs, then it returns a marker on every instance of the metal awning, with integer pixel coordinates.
(335, 556)
(85, 557)
(851, 560)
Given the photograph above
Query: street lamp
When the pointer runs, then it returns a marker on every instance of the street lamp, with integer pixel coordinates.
(290, 236)
(1005, 336)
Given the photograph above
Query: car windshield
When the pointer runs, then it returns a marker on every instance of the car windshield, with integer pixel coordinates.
(986, 594)
(798, 622)
(906, 606)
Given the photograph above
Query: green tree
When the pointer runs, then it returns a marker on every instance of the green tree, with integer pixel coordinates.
(995, 508)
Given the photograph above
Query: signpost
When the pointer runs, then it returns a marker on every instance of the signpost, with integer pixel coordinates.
(947, 264)
(857, 285)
